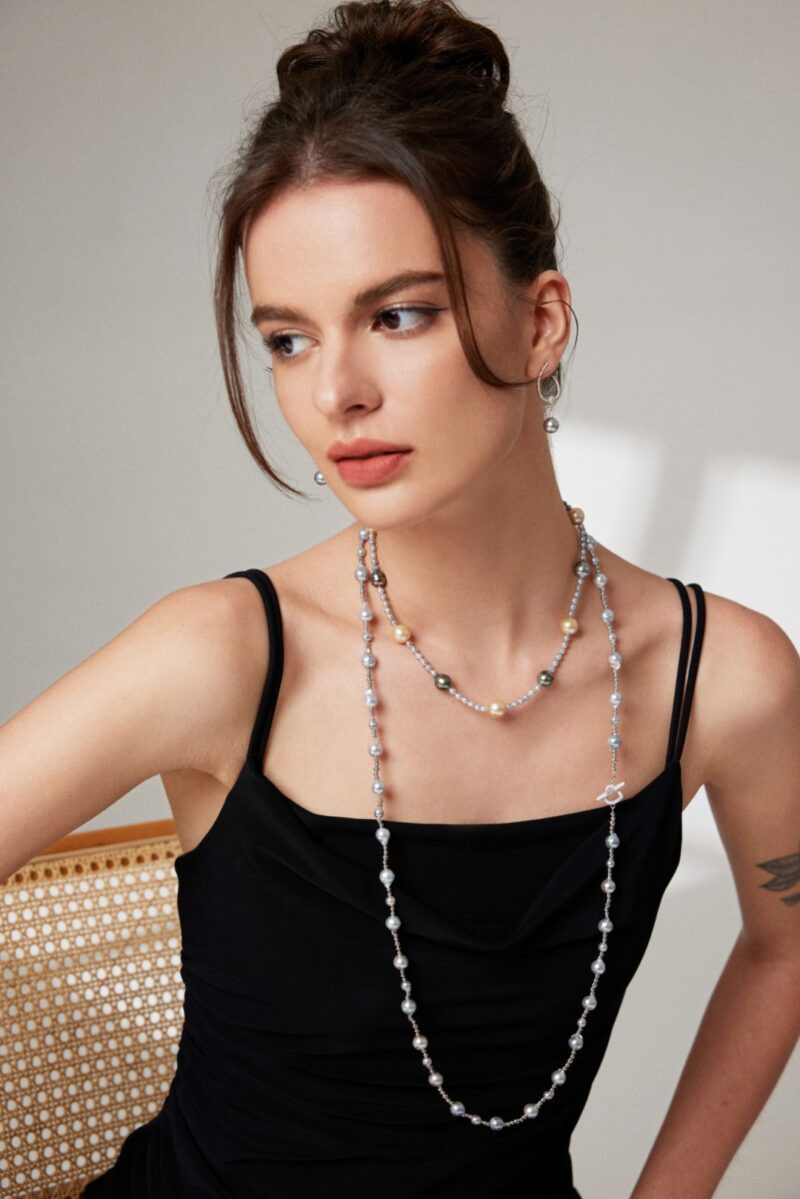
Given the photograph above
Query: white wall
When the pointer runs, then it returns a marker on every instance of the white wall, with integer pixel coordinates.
(669, 134)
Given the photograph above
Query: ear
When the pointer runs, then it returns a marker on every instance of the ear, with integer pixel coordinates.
(549, 322)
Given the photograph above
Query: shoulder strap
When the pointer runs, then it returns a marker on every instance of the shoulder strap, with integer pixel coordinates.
(272, 683)
(680, 715)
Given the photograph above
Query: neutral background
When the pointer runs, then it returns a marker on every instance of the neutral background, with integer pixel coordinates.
(668, 133)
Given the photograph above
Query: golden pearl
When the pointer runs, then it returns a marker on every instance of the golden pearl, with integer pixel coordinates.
(497, 708)
(578, 515)
(401, 633)
(569, 625)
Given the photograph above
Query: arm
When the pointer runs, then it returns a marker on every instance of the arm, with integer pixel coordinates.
(162, 695)
(752, 1020)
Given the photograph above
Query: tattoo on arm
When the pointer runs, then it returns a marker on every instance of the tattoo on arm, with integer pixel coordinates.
(786, 872)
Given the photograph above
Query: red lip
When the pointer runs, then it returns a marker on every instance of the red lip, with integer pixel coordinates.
(363, 447)
(376, 468)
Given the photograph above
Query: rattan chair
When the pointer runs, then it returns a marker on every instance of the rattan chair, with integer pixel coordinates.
(91, 1004)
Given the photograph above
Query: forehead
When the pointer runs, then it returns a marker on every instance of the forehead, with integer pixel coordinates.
(340, 235)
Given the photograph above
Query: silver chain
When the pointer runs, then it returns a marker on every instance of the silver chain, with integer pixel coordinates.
(611, 795)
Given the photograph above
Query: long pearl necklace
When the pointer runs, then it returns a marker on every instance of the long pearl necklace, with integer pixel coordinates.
(611, 795)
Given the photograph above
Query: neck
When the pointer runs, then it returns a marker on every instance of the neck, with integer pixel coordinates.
(488, 579)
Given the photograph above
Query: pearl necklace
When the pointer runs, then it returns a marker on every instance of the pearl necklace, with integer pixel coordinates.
(611, 795)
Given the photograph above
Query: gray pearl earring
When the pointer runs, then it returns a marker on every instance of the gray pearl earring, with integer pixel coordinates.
(549, 424)
(320, 478)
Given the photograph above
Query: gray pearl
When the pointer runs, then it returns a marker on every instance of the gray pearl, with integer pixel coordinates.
(377, 578)
(497, 1123)
(443, 682)
(545, 678)
(457, 1109)
(319, 477)
(576, 1041)
(551, 424)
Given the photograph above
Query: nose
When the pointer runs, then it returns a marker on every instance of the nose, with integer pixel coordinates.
(343, 381)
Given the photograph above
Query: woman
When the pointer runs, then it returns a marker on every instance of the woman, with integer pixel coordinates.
(414, 888)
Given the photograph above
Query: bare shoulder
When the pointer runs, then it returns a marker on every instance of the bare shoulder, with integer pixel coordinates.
(752, 677)
(215, 633)
(753, 769)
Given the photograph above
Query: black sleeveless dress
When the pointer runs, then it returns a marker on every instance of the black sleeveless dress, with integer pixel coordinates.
(296, 1077)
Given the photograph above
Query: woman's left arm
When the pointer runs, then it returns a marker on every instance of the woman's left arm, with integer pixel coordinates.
(752, 1021)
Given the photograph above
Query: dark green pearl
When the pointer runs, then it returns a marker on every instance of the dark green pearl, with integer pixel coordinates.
(443, 682)
(545, 678)
(377, 577)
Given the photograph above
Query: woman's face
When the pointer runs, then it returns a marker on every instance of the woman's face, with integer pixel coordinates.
(390, 366)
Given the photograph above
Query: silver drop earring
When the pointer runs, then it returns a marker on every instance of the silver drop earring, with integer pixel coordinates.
(320, 478)
(550, 424)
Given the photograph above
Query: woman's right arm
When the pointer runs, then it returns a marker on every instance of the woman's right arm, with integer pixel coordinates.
(161, 695)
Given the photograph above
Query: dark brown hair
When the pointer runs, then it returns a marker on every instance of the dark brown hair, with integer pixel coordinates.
(408, 90)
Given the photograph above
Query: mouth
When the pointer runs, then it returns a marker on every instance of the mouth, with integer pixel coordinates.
(372, 468)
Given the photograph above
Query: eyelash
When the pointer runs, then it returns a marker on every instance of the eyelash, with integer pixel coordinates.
(272, 342)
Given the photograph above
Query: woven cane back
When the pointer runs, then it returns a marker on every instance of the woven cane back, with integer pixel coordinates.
(91, 1004)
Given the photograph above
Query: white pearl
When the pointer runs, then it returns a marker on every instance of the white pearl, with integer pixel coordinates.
(605, 925)
(361, 573)
(531, 1110)
(379, 787)
(615, 659)
(375, 749)
(612, 841)
(400, 961)
(420, 1042)
(576, 1041)
(608, 885)
(457, 1109)
(558, 1077)
(435, 1079)
(607, 615)
(367, 613)
(405, 985)
(475, 1120)
(600, 579)
(370, 697)
(382, 834)
(368, 658)
(496, 1123)
(598, 966)
(615, 741)
(386, 876)
(616, 698)
(589, 1002)
(392, 921)
(408, 1006)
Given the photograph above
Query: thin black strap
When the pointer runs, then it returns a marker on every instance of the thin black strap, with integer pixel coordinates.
(677, 731)
(272, 683)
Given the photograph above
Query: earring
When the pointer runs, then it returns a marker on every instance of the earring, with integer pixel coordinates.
(549, 424)
(320, 478)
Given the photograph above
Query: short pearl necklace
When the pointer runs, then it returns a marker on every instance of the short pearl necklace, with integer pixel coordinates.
(611, 795)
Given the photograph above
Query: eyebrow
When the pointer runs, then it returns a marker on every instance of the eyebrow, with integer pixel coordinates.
(377, 291)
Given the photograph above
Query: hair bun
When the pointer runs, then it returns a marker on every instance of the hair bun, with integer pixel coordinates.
(402, 40)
